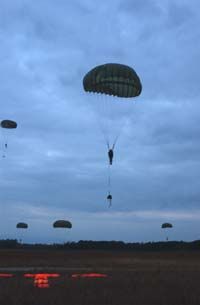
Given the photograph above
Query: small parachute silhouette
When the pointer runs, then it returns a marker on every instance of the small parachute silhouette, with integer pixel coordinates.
(109, 198)
(166, 225)
(7, 124)
(62, 224)
(22, 225)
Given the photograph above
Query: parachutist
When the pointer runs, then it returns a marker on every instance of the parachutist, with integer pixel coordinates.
(114, 80)
(7, 124)
(110, 155)
(109, 197)
(167, 226)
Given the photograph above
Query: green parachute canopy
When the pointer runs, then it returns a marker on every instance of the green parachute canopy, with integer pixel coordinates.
(166, 225)
(8, 124)
(113, 79)
(62, 224)
(22, 225)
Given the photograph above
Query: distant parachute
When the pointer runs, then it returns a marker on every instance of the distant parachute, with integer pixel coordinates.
(8, 124)
(62, 224)
(166, 225)
(117, 83)
(22, 225)
(109, 198)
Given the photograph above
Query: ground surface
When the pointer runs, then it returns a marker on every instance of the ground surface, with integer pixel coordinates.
(171, 278)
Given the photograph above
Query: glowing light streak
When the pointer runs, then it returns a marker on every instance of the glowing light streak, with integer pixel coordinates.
(41, 280)
(6, 275)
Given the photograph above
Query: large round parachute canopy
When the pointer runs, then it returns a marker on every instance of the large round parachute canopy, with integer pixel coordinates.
(8, 124)
(166, 225)
(62, 224)
(113, 79)
(22, 225)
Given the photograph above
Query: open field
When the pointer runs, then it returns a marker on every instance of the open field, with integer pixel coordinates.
(165, 278)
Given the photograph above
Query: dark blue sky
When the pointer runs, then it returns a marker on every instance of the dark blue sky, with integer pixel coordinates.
(56, 163)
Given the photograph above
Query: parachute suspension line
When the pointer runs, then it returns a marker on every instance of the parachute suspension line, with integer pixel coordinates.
(107, 120)
(101, 111)
(121, 129)
(109, 185)
(116, 139)
(106, 109)
(109, 179)
(114, 126)
(104, 104)
(106, 138)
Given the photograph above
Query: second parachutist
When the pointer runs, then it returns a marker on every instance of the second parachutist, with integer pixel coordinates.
(109, 197)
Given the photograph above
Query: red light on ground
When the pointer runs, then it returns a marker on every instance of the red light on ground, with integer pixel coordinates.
(41, 275)
(6, 275)
(89, 275)
(42, 286)
(41, 280)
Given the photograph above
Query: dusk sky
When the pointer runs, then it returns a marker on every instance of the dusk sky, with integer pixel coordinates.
(56, 163)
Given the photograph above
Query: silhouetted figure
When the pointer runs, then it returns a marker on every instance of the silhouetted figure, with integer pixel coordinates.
(6, 145)
(110, 155)
(109, 197)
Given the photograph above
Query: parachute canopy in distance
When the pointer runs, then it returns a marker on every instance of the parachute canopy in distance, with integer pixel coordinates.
(113, 79)
(8, 124)
(166, 225)
(62, 224)
(22, 225)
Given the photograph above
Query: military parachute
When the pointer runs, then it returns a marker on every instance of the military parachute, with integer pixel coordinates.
(6, 124)
(62, 224)
(22, 225)
(166, 225)
(113, 79)
(115, 84)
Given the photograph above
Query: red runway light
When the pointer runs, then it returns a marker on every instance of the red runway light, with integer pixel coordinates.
(41, 275)
(41, 280)
(42, 286)
(6, 275)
